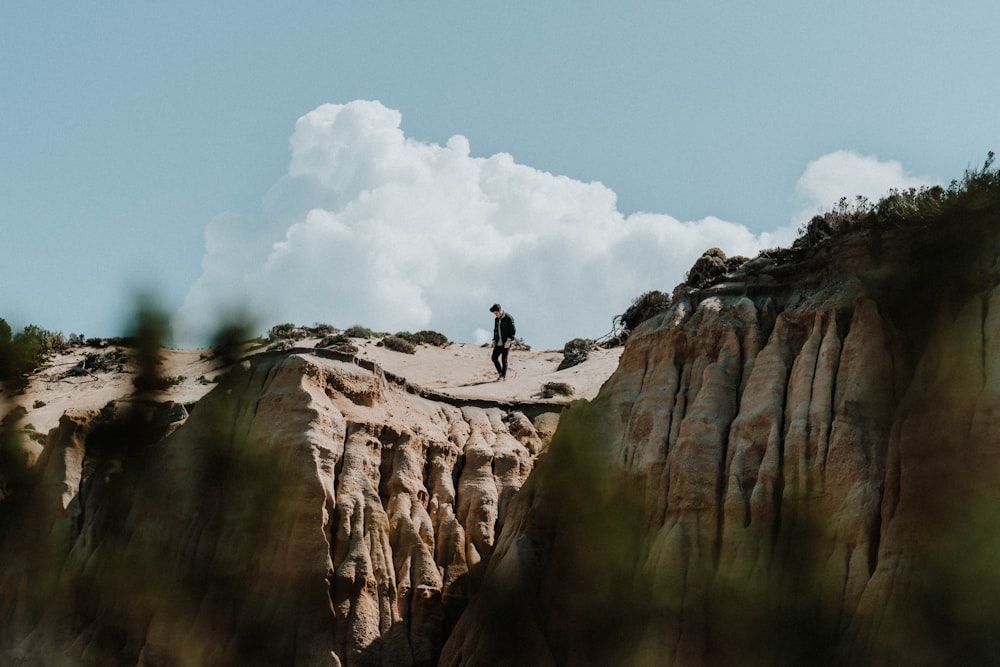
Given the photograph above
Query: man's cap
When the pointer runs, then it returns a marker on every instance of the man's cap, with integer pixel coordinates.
(495, 307)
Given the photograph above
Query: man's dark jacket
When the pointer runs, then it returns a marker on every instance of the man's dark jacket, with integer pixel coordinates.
(503, 329)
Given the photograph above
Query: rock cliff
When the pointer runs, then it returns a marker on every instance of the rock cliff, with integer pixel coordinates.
(311, 510)
(795, 464)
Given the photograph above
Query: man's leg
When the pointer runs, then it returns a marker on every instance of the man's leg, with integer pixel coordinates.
(503, 357)
(498, 350)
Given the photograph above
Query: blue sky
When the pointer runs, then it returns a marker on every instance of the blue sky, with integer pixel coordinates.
(152, 146)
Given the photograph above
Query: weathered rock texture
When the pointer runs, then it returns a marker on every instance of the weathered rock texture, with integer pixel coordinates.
(310, 511)
(797, 465)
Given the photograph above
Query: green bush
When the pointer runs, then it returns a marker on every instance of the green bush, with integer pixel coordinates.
(335, 339)
(735, 262)
(398, 344)
(644, 307)
(978, 191)
(320, 329)
(49, 341)
(22, 353)
(709, 266)
(292, 332)
(358, 331)
(424, 338)
(432, 338)
(338, 343)
(282, 332)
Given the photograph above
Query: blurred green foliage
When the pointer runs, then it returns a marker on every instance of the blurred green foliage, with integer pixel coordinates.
(22, 353)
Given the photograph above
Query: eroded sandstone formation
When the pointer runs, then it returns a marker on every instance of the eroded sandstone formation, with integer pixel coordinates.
(794, 465)
(310, 511)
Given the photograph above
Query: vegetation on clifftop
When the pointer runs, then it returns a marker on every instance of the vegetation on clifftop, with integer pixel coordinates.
(23, 352)
(961, 210)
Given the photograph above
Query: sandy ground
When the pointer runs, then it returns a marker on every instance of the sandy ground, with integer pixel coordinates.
(466, 371)
(459, 370)
(55, 388)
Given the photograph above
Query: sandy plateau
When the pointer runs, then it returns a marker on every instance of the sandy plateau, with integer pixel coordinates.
(460, 370)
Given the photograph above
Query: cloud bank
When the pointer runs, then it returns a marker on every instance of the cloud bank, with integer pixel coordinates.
(371, 227)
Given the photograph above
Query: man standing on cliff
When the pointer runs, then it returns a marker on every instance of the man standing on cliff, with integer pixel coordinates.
(503, 338)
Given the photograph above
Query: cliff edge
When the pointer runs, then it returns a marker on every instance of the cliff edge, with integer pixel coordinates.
(795, 464)
(311, 508)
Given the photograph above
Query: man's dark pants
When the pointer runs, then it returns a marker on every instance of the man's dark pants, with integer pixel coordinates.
(500, 353)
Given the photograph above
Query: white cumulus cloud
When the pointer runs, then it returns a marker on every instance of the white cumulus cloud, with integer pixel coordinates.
(371, 227)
